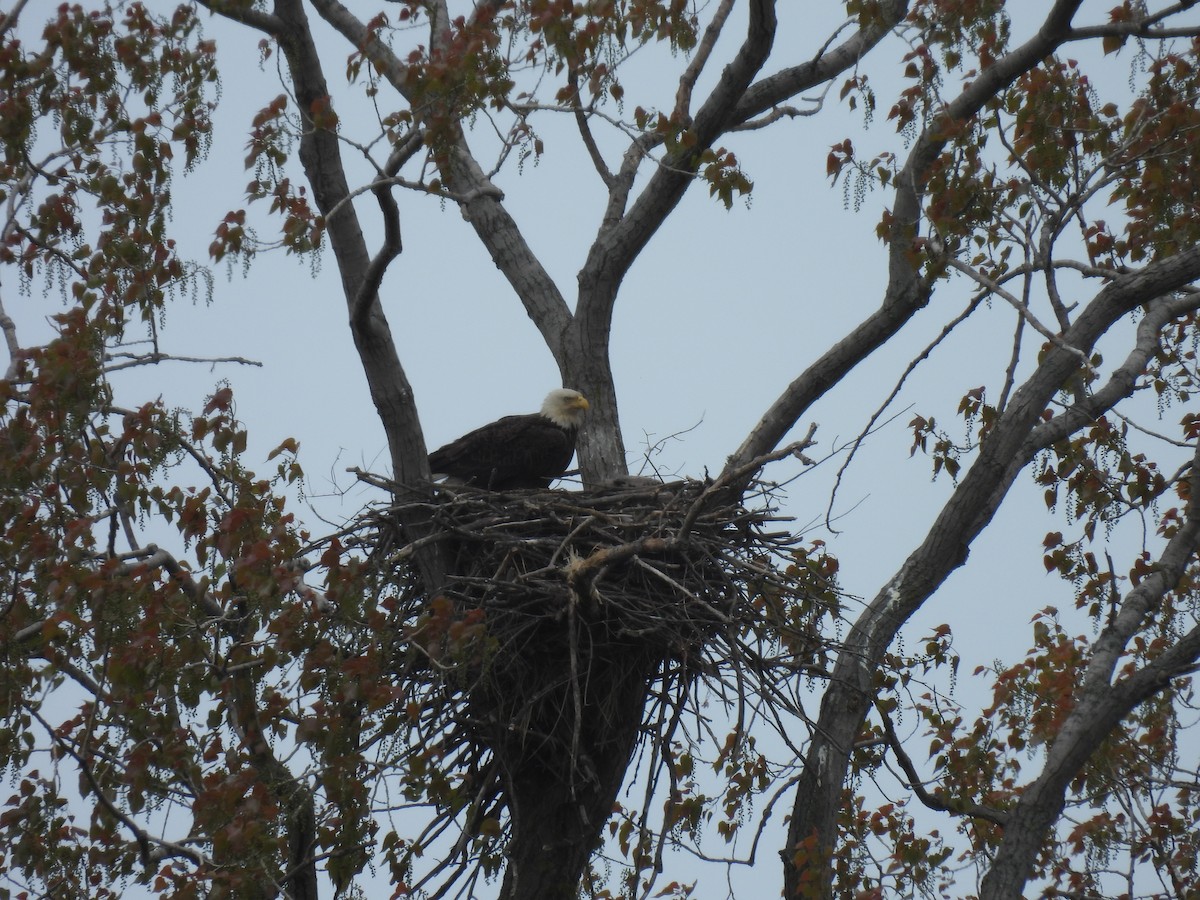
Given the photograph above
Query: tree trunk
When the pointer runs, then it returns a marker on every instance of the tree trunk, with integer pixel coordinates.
(561, 797)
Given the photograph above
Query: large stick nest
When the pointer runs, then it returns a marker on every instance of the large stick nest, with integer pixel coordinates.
(557, 604)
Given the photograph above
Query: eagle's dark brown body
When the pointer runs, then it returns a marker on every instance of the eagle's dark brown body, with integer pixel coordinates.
(516, 451)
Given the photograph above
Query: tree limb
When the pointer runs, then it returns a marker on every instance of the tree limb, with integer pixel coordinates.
(496, 228)
(906, 292)
(320, 154)
(145, 840)
(9, 327)
(616, 248)
(585, 130)
(246, 15)
(917, 785)
(1016, 303)
(776, 89)
(294, 797)
(687, 82)
(1099, 708)
(971, 507)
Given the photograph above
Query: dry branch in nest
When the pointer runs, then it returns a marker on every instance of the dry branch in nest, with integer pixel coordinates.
(561, 603)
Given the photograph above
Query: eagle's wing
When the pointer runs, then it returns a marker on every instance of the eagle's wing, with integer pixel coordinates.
(516, 451)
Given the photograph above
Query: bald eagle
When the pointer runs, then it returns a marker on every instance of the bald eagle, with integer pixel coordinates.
(516, 451)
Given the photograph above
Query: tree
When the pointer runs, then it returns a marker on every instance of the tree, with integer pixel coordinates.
(230, 697)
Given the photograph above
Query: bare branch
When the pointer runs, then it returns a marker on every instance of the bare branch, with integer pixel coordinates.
(9, 327)
(145, 839)
(368, 291)
(585, 130)
(386, 181)
(917, 785)
(514, 257)
(687, 82)
(476, 194)
(8, 20)
(147, 359)
(784, 112)
(1142, 25)
(777, 89)
(246, 14)
(622, 239)
(1015, 302)
(833, 365)
(1123, 380)
(154, 557)
(946, 331)
(320, 152)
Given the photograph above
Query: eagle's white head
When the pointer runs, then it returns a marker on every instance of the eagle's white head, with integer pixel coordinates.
(565, 407)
